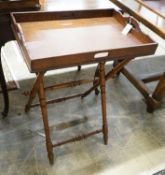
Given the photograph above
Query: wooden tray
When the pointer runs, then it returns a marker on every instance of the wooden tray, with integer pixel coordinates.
(50, 40)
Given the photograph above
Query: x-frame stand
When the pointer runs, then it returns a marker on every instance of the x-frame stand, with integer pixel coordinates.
(39, 88)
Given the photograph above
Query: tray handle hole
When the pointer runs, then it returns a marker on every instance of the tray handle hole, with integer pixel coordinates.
(101, 55)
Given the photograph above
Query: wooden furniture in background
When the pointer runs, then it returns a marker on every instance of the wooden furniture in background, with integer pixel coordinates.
(54, 40)
(157, 8)
(6, 35)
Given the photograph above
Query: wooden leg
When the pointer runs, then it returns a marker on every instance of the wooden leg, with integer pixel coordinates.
(33, 92)
(103, 102)
(4, 90)
(115, 63)
(142, 88)
(79, 68)
(151, 103)
(109, 75)
(96, 76)
(160, 88)
(151, 77)
(49, 145)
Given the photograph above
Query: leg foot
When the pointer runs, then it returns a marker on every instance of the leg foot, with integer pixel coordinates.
(150, 109)
(151, 104)
(27, 108)
(79, 68)
(51, 157)
(105, 129)
(97, 91)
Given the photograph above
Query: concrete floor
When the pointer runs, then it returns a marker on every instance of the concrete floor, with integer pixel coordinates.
(136, 138)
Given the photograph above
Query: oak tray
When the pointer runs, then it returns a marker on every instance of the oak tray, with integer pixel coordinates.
(51, 40)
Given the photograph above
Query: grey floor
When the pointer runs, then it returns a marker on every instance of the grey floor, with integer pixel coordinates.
(136, 138)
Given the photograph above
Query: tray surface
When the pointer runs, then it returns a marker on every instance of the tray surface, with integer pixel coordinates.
(57, 38)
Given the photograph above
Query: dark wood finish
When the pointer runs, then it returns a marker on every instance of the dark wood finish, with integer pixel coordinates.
(18, 5)
(160, 88)
(104, 26)
(157, 7)
(152, 77)
(4, 91)
(6, 35)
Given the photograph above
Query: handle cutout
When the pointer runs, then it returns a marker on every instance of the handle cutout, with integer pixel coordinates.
(101, 54)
